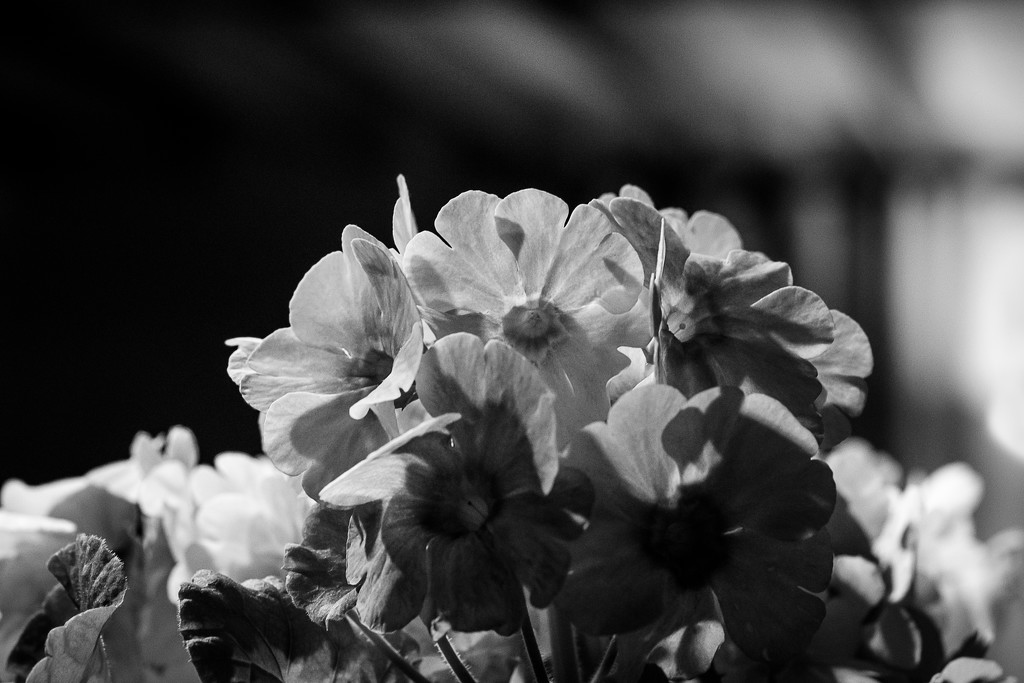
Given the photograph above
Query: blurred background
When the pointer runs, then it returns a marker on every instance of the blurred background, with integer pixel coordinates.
(170, 171)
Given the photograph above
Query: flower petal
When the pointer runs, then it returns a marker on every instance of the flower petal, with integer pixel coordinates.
(476, 272)
(281, 364)
(613, 584)
(403, 374)
(314, 435)
(400, 467)
(397, 310)
(471, 586)
(506, 407)
(763, 593)
(592, 263)
(626, 458)
(711, 234)
(530, 223)
(403, 221)
(331, 308)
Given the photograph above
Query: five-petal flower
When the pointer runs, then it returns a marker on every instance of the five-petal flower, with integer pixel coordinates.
(353, 344)
(473, 503)
(715, 499)
(562, 293)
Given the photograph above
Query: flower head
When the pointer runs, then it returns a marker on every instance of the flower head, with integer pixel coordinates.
(462, 511)
(715, 499)
(562, 293)
(233, 517)
(724, 316)
(354, 343)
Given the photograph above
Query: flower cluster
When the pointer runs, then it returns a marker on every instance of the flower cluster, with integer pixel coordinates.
(598, 443)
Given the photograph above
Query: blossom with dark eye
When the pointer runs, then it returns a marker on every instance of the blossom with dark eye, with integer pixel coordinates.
(708, 514)
(353, 345)
(473, 505)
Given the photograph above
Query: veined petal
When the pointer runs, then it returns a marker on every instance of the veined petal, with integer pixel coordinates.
(592, 263)
(614, 585)
(281, 364)
(753, 367)
(332, 307)
(471, 586)
(711, 234)
(765, 593)
(530, 223)
(628, 452)
(391, 291)
(401, 466)
(314, 435)
(765, 479)
(683, 642)
(504, 403)
(640, 224)
(447, 280)
(476, 272)
(403, 221)
(795, 318)
(403, 373)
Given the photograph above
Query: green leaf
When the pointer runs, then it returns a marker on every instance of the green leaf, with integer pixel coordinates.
(248, 632)
(95, 581)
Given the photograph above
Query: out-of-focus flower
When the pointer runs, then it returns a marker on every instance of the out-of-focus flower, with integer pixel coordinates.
(563, 294)
(472, 504)
(26, 543)
(715, 499)
(923, 536)
(964, 583)
(353, 344)
(234, 517)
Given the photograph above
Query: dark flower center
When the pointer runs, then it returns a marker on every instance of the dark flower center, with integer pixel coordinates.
(689, 538)
(473, 512)
(533, 328)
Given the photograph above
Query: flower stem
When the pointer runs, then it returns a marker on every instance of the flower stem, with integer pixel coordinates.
(540, 673)
(389, 651)
(563, 648)
(453, 660)
(606, 662)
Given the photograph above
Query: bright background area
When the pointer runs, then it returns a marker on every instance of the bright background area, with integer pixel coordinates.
(171, 170)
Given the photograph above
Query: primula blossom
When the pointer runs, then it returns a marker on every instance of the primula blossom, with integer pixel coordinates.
(467, 508)
(715, 499)
(234, 517)
(563, 294)
(353, 344)
(729, 317)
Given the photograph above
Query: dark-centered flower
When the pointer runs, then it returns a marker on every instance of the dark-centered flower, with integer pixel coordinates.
(711, 500)
(473, 503)
(724, 316)
(562, 293)
(353, 345)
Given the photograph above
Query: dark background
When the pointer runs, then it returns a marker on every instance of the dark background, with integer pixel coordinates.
(170, 171)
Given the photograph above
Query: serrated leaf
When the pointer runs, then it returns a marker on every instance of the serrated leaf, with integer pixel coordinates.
(251, 631)
(95, 582)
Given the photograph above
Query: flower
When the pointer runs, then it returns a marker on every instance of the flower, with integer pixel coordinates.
(729, 317)
(457, 514)
(563, 294)
(633, 213)
(715, 499)
(353, 344)
(922, 534)
(234, 518)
